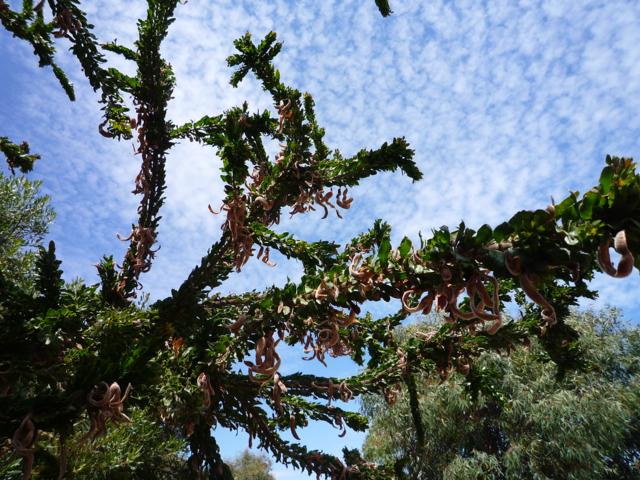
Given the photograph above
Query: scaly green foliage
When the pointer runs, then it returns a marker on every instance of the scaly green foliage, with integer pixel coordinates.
(69, 353)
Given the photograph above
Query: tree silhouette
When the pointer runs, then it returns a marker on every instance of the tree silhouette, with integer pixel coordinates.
(73, 350)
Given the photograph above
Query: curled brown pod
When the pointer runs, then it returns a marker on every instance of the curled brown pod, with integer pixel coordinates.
(357, 270)
(278, 389)
(284, 112)
(463, 366)
(405, 302)
(108, 402)
(626, 263)
(237, 325)
(267, 360)
(493, 329)
(527, 283)
(528, 286)
(424, 305)
(345, 393)
(330, 387)
(339, 423)
(328, 337)
(452, 305)
(391, 394)
(105, 133)
(204, 383)
(346, 321)
(292, 426)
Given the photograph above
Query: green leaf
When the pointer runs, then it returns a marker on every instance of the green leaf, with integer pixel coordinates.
(383, 252)
(484, 234)
(405, 247)
(502, 232)
(586, 205)
(606, 179)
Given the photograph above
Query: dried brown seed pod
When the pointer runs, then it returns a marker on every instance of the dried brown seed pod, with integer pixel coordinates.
(463, 366)
(267, 360)
(391, 394)
(528, 286)
(204, 383)
(109, 403)
(345, 393)
(284, 111)
(103, 132)
(493, 329)
(626, 263)
(292, 426)
(340, 424)
(278, 389)
(405, 302)
(513, 264)
(237, 325)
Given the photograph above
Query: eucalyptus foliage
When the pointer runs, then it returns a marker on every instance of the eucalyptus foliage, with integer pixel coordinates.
(526, 422)
(70, 354)
(249, 466)
(25, 216)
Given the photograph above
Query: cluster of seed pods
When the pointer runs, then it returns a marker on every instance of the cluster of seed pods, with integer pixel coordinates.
(446, 298)
(342, 389)
(108, 404)
(367, 279)
(328, 339)
(284, 113)
(142, 236)
(142, 239)
(267, 360)
(337, 469)
(237, 207)
(235, 223)
(67, 24)
(311, 195)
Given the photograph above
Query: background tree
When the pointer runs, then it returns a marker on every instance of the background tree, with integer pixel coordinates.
(70, 353)
(525, 421)
(25, 216)
(249, 466)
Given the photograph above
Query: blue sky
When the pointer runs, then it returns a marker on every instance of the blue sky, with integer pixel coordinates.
(506, 104)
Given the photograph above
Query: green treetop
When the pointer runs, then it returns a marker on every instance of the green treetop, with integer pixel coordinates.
(249, 466)
(523, 422)
(25, 216)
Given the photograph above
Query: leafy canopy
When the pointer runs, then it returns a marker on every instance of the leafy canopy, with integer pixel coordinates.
(523, 421)
(25, 216)
(249, 466)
